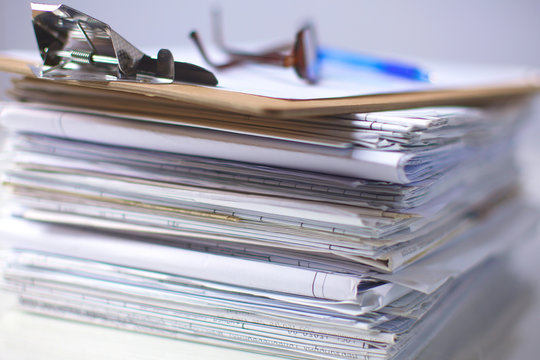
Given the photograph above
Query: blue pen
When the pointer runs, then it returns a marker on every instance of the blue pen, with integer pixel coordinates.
(390, 67)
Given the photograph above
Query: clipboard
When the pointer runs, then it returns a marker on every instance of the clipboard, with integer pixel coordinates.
(255, 105)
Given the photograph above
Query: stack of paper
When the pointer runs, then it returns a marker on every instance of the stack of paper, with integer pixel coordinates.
(255, 224)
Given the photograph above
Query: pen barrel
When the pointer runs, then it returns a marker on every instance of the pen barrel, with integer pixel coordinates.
(402, 70)
(391, 67)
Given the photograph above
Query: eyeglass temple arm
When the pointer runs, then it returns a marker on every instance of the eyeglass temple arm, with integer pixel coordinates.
(195, 37)
(238, 58)
(217, 32)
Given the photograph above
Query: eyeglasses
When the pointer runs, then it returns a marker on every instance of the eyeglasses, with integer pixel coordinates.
(303, 56)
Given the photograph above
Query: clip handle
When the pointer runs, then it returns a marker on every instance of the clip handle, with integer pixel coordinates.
(164, 66)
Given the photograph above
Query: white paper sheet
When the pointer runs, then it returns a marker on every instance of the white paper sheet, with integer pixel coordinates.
(116, 250)
(360, 163)
(426, 275)
(504, 230)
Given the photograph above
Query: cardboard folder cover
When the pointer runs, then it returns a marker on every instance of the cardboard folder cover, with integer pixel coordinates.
(467, 86)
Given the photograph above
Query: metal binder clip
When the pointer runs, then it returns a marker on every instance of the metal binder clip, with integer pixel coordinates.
(75, 46)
